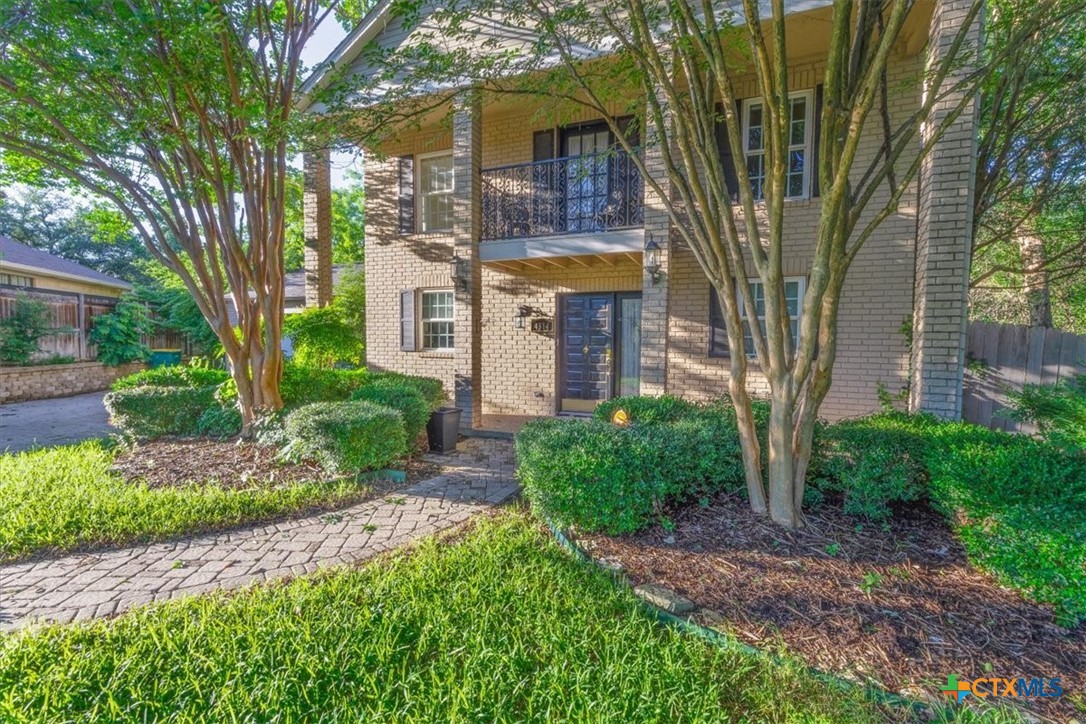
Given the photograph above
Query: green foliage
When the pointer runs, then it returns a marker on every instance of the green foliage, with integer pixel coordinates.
(431, 389)
(349, 299)
(150, 412)
(1058, 411)
(598, 476)
(402, 397)
(303, 385)
(119, 334)
(66, 498)
(21, 332)
(346, 437)
(872, 462)
(220, 421)
(500, 625)
(176, 310)
(348, 221)
(322, 339)
(172, 376)
(646, 409)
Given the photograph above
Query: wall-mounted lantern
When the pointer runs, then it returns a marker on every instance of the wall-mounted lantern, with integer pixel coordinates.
(522, 313)
(458, 268)
(652, 260)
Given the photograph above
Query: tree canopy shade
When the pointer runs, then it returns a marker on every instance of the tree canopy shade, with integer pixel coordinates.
(181, 114)
(677, 66)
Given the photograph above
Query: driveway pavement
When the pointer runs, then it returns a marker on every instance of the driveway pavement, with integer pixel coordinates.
(24, 425)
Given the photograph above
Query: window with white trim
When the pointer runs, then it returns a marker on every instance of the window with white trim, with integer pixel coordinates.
(438, 317)
(800, 124)
(435, 192)
(794, 288)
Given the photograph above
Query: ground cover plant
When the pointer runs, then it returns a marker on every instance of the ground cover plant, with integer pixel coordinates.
(497, 625)
(66, 498)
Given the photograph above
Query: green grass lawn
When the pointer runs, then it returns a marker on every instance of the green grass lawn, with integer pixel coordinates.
(57, 499)
(501, 625)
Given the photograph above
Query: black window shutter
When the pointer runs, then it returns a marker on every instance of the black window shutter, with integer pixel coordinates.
(407, 320)
(727, 158)
(543, 145)
(631, 129)
(815, 191)
(718, 332)
(407, 195)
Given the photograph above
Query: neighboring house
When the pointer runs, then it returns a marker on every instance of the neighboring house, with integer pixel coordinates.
(75, 293)
(553, 308)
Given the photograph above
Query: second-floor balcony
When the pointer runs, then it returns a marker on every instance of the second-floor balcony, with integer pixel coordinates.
(572, 195)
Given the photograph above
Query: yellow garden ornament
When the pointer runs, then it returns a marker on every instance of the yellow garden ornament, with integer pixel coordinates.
(620, 418)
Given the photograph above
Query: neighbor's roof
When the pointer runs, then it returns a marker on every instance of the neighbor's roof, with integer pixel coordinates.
(20, 257)
(294, 282)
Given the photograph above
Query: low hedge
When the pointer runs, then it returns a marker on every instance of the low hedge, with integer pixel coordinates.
(402, 397)
(149, 412)
(346, 437)
(646, 409)
(431, 389)
(601, 477)
(172, 376)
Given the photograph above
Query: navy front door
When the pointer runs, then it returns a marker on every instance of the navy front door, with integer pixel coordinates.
(591, 327)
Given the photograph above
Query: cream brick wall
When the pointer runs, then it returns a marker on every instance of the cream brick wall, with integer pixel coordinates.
(20, 384)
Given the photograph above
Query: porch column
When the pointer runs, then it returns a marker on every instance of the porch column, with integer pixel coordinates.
(654, 296)
(944, 234)
(317, 210)
(467, 229)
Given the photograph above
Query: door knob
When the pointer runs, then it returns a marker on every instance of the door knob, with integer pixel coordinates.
(585, 349)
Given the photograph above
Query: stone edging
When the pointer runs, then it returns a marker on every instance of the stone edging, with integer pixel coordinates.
(647, 605)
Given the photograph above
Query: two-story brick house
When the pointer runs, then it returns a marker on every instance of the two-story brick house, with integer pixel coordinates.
(520, 259)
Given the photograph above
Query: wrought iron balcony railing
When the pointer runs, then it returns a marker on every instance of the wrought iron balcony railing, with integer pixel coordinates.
(572, 195)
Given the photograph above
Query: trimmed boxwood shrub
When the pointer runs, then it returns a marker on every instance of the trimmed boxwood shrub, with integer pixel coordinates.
(303, 385)
(221, 421)
(150, 412)
(646, 409)
(601, 477)
(346, 437)
(432, 389)
(402, 397)
(172, 376)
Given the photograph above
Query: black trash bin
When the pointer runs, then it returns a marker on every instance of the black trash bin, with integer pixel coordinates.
(443, 429)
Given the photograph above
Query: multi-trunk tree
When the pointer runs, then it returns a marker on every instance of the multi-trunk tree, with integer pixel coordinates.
(181, 114)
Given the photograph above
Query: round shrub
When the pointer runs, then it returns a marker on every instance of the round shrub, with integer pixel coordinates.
(172, 376)
(221, 421)
(431, 388)
(646, 409)
(149, 412)
(400, 396)
(346, 436)
(304, 385)
(322, 338)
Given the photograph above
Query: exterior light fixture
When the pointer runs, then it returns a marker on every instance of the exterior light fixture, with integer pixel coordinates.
(458, 268)
(652, 260)
(523, 312)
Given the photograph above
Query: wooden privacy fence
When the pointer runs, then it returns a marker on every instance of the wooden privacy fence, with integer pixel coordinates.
(1004, 357)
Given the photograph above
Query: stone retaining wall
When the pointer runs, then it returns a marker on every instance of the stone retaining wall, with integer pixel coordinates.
(19, 384)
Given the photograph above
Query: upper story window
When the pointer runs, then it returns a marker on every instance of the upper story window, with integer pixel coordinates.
(16, 280)
(800, 124)
(438, 318)
(435, 192)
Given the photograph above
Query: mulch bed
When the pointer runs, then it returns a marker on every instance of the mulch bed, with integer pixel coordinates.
(166, 462)
(899, 606)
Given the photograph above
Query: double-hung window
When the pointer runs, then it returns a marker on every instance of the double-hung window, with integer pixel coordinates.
(437, 319)
(435, 192)
(800, 138)
(794, 288)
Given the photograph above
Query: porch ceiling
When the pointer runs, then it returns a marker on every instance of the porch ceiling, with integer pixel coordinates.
(580, 261)
(623, 241)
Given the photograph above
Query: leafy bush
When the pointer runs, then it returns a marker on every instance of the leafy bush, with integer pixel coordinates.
(598, 476)
(349, 299)
(150, 412)
(221, 421)
(30, 320)
(1058, 411)
(402, 397)
(646, 409)
(119, 334)
(303, 385)
(321, 338)
(432, 389)
(172, 376)
(57, 359)
(346, 436)
(872, 462)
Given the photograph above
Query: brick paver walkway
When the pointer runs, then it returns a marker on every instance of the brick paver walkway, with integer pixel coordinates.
(102, 584)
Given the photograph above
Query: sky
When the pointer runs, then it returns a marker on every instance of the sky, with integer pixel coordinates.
(325, 39)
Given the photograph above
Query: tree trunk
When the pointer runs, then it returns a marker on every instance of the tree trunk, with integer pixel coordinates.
(782, 462)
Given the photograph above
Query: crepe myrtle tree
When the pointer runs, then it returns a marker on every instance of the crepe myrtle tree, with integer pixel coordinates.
(685, 59)
(181, 114)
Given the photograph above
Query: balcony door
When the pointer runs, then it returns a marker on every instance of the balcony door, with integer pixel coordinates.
(600, 349)
(587, 175)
